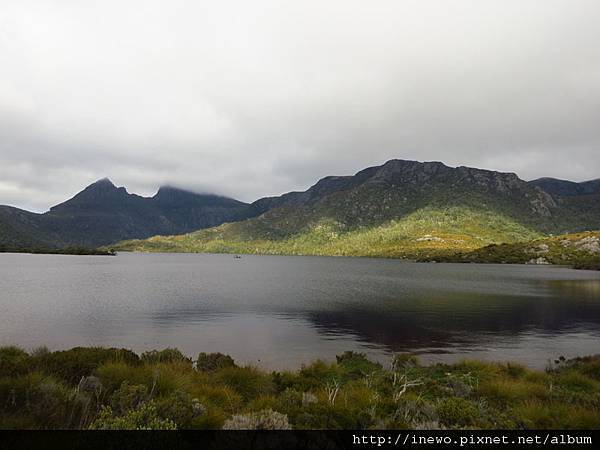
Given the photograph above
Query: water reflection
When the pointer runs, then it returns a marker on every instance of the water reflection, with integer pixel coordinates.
(283, 311)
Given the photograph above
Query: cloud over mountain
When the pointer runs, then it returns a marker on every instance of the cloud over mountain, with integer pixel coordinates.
(249, 99)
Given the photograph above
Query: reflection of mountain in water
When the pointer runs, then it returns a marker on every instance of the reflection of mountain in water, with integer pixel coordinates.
(468, 319)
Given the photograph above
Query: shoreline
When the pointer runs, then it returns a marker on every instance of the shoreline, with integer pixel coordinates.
(575, 266)
(65, 251)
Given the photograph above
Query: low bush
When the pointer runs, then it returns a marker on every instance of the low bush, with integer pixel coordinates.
(168, 355)
(115, 389)
(209, 362)
(143, 417)
(14, 361)
(459, 412)
(78, 362)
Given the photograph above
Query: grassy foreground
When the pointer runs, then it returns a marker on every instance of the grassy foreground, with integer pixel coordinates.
(107, 388)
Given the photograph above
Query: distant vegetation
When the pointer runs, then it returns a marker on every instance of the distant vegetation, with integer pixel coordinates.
(57, 251)
(107, 388)
(453, 234)
(401, 209)
(581, 250)
(424, 233)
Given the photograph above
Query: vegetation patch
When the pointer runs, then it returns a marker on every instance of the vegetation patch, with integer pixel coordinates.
(426, 233)
(580, 250)
(100, 388)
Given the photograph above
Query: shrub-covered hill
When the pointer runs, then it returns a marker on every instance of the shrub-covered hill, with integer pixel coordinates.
(102, 388)
(424, 233)
(375, 197)
(399, 209)
(578, 249)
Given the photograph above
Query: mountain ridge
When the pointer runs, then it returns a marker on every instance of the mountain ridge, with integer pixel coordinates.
(398, 209)
(103, 213)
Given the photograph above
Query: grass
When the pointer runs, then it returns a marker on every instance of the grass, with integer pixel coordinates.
(99, 388)
(428, 232)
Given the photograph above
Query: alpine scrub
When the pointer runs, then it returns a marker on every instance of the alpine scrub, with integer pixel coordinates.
(108, 388)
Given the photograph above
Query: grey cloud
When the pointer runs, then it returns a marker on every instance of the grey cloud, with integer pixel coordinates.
(249, 99)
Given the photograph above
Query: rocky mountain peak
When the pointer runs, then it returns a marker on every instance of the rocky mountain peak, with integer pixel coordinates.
(101, 192)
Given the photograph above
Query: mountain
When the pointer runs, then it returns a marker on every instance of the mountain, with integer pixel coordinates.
(103, 213)
(579, 203)
(399, 187)
(564, 188)
(399, 209)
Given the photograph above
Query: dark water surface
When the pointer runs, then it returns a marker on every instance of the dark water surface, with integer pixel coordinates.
(278, 311)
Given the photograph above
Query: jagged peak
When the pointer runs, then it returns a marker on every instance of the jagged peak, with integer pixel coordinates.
(102, 185)
(103, 182)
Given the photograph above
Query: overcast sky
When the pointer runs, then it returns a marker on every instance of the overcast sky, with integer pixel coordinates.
(256, 98)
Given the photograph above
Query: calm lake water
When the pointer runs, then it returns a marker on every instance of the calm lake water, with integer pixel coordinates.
(279, 312)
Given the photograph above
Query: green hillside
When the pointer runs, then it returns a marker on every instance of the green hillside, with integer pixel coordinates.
(398, 209)
(423, 233)
(578, 249)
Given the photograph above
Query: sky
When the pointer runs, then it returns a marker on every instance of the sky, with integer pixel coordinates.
(249, 99)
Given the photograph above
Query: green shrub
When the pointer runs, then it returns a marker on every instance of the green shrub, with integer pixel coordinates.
(403, 361)
(180, 407)
(577, 381)
(353, 393)
(78, 362)
(114, 374)
(249, 382)
(218, 395)
(556, 415)
(128, 396)
(356, 364)
(455, 411)
(49, 403)
(589, 366)
(209, 362)
(285, 380)
(144, 417)
(14, 361)
(317, 374)
(481, 370)
(508, 391)
(262, 420)
(167, 355)
(514, 370)
(212, 419)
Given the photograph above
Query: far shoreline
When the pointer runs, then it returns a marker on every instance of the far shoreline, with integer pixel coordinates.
(101, 252)
(575, 266)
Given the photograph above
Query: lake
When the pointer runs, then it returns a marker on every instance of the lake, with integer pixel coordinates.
(279, 312)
